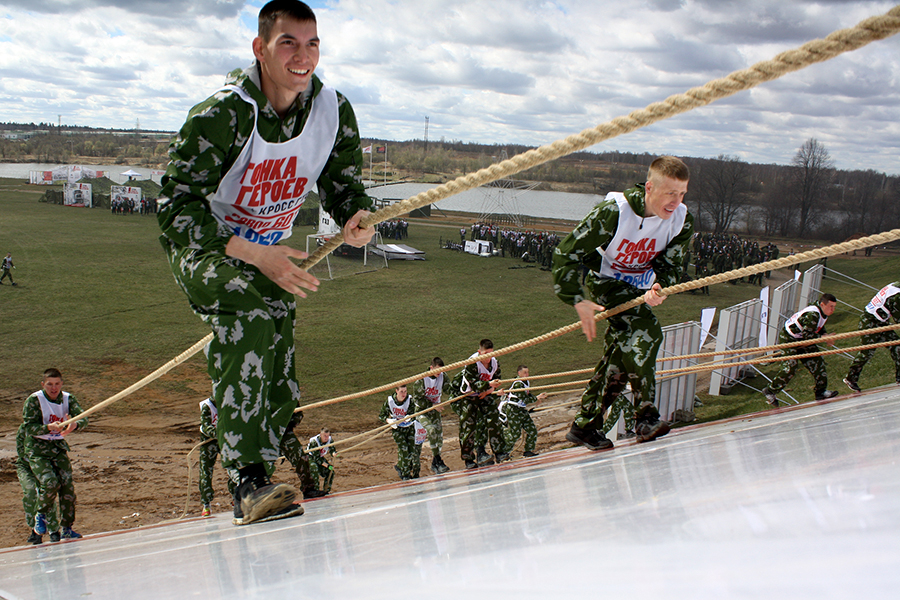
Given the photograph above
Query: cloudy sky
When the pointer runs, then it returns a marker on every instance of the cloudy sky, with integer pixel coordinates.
(505, 71)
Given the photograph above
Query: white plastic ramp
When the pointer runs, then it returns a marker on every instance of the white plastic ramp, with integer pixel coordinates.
(797, 503)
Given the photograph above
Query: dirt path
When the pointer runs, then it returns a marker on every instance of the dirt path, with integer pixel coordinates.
(132, 471)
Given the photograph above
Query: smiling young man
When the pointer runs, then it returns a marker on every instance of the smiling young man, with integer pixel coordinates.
(631, 247)
(240, 169)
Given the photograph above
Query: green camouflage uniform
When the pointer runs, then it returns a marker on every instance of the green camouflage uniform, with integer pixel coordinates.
(621, 406)
(891, 310)
(475, 413)
(29, 485)
(251, 357)
(409, 453)
(319, 462)
(431, 420)
(49, 459)
(292, 449)
(808, 323)
(633, 337)
(515, 418)
(209, 452)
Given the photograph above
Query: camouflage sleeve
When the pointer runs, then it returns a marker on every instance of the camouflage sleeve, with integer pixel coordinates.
(669, 265)
(199, 156)
(385, 412)
(580, 248)
(475, 381)
(808, 322)
(341, 188)
(33, 418)
(206, 424)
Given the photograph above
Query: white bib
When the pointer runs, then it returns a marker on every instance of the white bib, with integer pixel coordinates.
(876, 308)
(399, 411)
(259, 197)
(636, 243)
(319, 446)
(484, 374)
(434, 387)
(53, 413)
(212, 411)
(793, 327)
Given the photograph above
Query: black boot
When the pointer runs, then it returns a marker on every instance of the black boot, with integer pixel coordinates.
(482, 458)
(592, 439)
(256, 498)
(438, 466)
(647, 426)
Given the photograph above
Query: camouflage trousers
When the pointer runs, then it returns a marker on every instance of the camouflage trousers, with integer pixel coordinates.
(295, 453)
(622, 406)
(209, 452)
(632, 341)
(408, 452)
(251, 357)
(478, 414)
(815, 365)
(517, 421)
(29, 485)
(434, 425)
(54, 477)
(320, 467)
(867, 321)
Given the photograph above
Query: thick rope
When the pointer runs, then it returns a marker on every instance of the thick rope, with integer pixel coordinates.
(148, 379)
(838, 42)
(771, 265)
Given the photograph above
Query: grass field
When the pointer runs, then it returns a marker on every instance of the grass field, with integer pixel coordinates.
(95, 291)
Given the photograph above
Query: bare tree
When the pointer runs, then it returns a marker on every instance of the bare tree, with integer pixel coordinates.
(722, 186)
(811, 173)
(780, 215)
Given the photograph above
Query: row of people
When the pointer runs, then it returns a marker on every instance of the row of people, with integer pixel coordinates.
(395, 229)
(532, 246)
(486, 415)
(809, 324)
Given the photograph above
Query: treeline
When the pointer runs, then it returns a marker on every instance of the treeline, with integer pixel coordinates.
(137, 149)
(808, 198)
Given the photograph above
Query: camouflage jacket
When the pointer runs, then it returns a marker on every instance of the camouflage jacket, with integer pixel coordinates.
(596, 230)
(33, 424)
(211, 140)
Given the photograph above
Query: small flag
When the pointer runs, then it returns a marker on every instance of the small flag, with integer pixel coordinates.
(367, 150)
(380, 149)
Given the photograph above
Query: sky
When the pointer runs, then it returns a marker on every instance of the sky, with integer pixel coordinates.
(499, 72)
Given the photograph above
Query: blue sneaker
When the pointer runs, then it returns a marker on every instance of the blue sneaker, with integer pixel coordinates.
(68, 534)
(40, 524)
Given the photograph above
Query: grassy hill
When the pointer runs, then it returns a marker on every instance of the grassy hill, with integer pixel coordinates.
(96, 299)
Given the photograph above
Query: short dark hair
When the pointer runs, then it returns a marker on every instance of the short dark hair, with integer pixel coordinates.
(827, 298)
(486, 344)
(437, 362)
(276, 9)
(520, 367)
(51, 372)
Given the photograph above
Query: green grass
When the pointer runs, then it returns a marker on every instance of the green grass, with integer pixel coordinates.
(95, 291)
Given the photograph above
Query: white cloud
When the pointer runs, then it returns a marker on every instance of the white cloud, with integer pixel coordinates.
(508, 71)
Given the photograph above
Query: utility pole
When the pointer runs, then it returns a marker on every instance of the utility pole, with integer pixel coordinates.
(426, 134)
